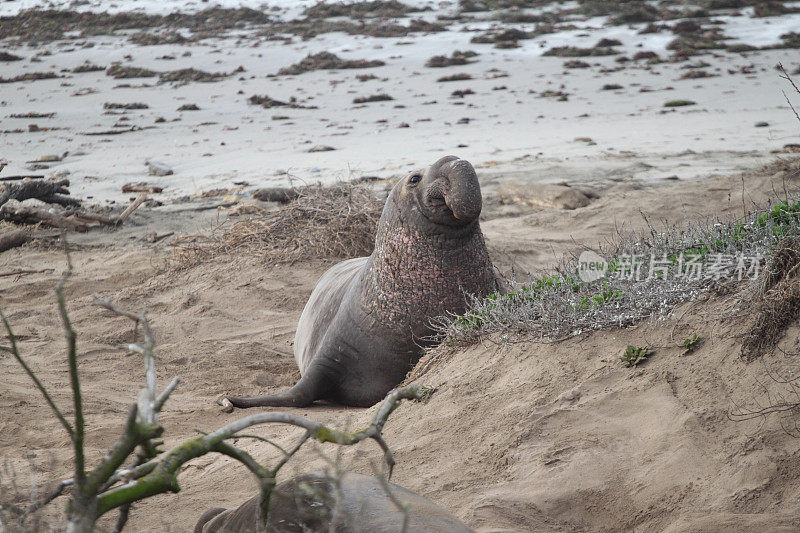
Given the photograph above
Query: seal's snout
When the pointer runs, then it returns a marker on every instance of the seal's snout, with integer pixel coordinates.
(463, 195)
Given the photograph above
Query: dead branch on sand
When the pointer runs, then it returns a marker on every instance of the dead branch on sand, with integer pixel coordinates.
(16, 211)
(109, 486)
(50, 191)
(11, 238)
(12, 208)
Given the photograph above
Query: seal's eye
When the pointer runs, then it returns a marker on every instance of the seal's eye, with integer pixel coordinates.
(415, 178)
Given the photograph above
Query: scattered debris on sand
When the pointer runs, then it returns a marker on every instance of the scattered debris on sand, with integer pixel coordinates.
(87, 67)
(186, 75)
(30, 76)
(125, 72)
(145, 38)
(456, 58)
(455, 77)
(37, 25)
(266, 102)
(678, 103)
(142, 187)
(127, 106)
(32, 114)
(358, 10)
(320, 148)
(8, 57)
(327, 61)
(542, 195)
(576, 51)
(381, 97)
(156, 168)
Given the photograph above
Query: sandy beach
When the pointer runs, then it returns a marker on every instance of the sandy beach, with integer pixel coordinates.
(522, 433)
(504, 123)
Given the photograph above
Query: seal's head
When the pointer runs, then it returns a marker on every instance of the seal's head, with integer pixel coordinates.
(446, 194)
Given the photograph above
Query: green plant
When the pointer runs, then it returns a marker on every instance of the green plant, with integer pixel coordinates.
(691, 343)
(606, 295)
(633, 355)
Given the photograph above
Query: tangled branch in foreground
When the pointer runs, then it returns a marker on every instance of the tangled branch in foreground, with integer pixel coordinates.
(110, 486)
(323, 221)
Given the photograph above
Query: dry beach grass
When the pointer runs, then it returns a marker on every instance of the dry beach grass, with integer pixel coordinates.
(325, 222)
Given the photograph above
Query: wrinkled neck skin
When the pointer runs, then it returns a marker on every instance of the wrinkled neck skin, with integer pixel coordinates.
(420, 270)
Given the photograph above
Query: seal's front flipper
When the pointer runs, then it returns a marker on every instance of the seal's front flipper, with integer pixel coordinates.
(312, 386)
(289, 398)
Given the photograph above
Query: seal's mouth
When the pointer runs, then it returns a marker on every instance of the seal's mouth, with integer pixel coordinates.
(434, 197)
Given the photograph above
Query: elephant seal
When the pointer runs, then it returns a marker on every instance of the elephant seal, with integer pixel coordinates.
(317, 502)
(366, 323)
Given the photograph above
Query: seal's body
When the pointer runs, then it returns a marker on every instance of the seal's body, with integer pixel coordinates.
(367, 321)
(315, 502)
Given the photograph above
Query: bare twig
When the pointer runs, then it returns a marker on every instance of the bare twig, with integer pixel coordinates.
(163, 478)
(23, 271)
(288, 455)
(165, 394)
(147, 396)
(402, 507)
(15, 352)
(785, 75)
(260, 439)
(55, 493)
(130, 209)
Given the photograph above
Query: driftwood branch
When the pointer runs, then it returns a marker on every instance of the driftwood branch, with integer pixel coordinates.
(131, 208)
(50, 191)
(52, 495)
(12, 238)
(165, 394)
(147, 397)
(82, 499)
(163, 478)
(16, 211)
